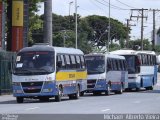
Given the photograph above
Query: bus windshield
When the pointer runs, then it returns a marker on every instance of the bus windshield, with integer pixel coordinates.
(130, 59)
(95, 64)
(29, 63)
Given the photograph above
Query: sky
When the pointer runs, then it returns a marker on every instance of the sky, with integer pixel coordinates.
(120, 10)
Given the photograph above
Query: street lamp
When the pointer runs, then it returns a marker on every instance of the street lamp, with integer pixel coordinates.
(70, 3)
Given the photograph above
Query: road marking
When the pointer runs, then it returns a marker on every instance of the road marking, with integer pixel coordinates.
(32, 108)
(137, 102)
(105, 110)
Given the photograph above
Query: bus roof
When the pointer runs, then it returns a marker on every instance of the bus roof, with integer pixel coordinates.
(106, 55)
(52, 48)
(132, 52)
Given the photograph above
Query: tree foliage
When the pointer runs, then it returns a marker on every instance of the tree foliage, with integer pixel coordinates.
(92, 31)
(136, 44)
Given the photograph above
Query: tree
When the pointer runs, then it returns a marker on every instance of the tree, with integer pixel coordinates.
(98, 30)
(136, 43)
(35, 23)
(92, 31)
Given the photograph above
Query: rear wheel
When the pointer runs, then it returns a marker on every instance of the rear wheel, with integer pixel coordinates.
(137, 89)
(75, 95)
(20, 99)
(82, 94)
(95, 93)
(108, 91)
(120, 91)
(59, 96)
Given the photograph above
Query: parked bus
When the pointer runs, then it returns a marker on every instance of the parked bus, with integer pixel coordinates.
(44, 71)
(142, 68)
(106, 73)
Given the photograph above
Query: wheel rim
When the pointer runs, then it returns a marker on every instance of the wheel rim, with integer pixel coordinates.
(121, 90)
(108, 90)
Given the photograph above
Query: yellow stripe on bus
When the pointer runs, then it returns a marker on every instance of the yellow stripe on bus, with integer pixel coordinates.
(60, 76)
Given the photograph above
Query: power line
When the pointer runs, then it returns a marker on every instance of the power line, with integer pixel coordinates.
(125, 4)
(97, 6)
(115, 7)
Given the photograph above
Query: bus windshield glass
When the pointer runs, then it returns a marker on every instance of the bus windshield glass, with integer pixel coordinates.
(38, 63)
(130, 59)
(95, 64)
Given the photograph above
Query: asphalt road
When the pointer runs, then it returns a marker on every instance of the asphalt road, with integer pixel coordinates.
(142, 102)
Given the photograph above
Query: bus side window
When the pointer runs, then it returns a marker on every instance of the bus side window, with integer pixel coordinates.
(59, 62)
(63, 62)
(67, 60)
(73, 61)
(78, 61)
(151, 59)
(114, 65)
(108, 64)
(121, 65)
(82, 62)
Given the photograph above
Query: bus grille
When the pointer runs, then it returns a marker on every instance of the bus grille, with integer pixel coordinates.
(32, 87)
(91, 83)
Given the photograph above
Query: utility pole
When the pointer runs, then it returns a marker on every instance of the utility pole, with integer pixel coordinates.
(154, 28)
(141, 11)
(76, 21)
(153, 40)
(47, 38)
(127, 35)
(70, 3)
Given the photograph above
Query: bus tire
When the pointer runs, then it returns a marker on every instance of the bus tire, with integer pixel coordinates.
(19, 99)
(108, 91)
(137, 89)
(120, 91)
(82, 93)
(59, 96)
(96, 93)
(75, 95)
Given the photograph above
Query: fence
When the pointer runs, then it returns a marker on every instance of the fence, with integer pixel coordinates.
(6, 65)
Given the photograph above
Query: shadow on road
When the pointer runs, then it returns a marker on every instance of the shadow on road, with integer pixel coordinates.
(28, 101)
(151, 91)
(8, 102)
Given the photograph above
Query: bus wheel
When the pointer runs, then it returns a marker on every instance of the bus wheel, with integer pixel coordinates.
(82, 93)
(120, 91)
(108, 91)
(75, 95)
(58, 97)
(137, 89)
(20, 99)
(96, 93)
